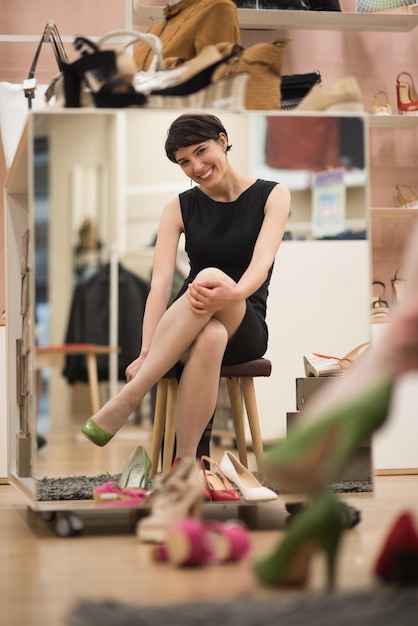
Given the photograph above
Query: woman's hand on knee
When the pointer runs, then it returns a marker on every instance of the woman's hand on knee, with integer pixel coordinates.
(210, 296)
(134, 367)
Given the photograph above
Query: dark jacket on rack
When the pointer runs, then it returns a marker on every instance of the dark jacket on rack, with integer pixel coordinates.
(89, 321)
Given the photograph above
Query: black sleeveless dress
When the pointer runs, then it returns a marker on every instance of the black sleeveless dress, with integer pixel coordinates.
(223, 235)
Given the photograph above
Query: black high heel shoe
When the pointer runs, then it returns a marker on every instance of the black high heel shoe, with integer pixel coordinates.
(102, 78)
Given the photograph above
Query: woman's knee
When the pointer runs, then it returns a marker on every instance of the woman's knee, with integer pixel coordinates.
(212, 340)
(213, 273)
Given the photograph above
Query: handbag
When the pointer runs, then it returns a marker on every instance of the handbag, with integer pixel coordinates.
(16, 99)
(205, 81)
(295, 87)
(263, 62)
(107, 77)
(103, 74)
(52, 36)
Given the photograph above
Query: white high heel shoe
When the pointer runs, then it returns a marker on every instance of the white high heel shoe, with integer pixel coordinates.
(250, 488)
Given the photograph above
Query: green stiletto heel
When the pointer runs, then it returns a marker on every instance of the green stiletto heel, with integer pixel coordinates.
(319, 527)
(311, 457)
(94, 433)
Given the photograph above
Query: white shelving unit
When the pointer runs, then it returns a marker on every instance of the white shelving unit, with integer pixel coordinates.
(3, 405)
(251, 19)
(267, 19)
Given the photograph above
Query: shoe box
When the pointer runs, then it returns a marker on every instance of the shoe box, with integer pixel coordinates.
(359, 467)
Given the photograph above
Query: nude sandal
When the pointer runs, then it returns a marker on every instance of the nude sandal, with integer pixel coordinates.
(317, 364)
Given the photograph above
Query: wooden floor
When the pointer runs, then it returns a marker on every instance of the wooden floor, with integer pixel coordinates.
(43, 575)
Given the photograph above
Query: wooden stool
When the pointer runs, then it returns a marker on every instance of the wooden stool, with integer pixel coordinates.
(54, 356)
(240, 383)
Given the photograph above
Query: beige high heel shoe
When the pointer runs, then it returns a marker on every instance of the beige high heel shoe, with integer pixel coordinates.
(316, 364)
(181, 495)
(344, 95)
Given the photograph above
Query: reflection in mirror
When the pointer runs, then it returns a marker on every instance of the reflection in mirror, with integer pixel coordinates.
(101, 182)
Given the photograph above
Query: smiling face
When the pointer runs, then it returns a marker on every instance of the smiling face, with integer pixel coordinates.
(205, 163)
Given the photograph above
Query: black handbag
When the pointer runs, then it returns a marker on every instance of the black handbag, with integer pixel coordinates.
(295, 87)
(52, 36)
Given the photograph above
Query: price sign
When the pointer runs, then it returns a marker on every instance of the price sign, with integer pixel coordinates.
(328, 203)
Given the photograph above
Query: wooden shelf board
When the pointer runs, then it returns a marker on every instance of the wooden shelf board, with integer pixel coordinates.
(272, 19)
(393, 121)
(393, 212)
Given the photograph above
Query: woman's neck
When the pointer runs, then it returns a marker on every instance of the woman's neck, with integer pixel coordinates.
(231, 187)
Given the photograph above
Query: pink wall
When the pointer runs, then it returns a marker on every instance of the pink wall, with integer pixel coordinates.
(375, 58)
(25, 17)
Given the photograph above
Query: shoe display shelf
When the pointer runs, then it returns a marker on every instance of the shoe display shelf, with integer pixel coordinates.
(146, 13)
(391, 225)
(393, 446)
(3, 404)
(359, 467)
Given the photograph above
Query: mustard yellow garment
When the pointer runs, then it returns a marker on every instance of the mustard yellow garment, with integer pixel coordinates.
(189, 26)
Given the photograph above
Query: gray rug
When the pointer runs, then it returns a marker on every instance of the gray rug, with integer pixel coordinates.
(81, 487)
(379, 608)
(71, 487)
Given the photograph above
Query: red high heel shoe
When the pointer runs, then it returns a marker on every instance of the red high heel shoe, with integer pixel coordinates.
(398, 560)
(406, 96)
(218, 485)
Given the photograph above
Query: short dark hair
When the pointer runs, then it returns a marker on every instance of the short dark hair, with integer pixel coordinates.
(190, 129)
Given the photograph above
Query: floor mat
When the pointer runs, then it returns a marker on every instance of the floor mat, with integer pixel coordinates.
(81, 487)
(376, 608)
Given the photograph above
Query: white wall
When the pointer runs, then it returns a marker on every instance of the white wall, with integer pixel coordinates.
(319, 302)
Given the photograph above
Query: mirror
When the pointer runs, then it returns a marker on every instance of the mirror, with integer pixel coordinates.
(101, 180)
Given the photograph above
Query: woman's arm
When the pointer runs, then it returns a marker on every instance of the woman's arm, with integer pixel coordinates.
(164, 264)
(276, 213)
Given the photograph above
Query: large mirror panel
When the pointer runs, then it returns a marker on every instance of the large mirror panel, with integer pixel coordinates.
(101, 180)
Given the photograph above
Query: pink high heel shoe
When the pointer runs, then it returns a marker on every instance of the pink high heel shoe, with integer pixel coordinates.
(111, 495)
(193, 543)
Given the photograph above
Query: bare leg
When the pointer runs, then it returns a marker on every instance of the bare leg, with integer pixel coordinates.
(176, 331)
(199, 385)
(175, 334)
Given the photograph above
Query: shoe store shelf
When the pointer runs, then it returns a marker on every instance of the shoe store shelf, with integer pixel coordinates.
(268, 19)
(393, 121)
(396, 212)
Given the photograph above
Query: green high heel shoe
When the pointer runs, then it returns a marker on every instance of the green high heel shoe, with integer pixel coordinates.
(319, 527)
(135, 473)
(311, 457)
(94, 433)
